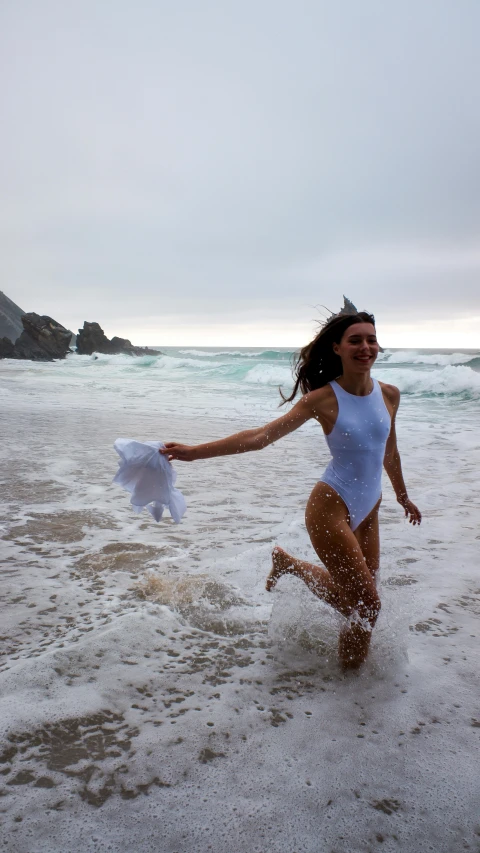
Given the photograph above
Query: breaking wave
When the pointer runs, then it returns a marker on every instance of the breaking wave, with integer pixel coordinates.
(453, 380)
(270, 355)
(269, 374)
(435, 358)
(430, 374)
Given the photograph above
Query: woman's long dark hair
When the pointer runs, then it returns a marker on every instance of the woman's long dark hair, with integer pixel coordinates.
(317, 364)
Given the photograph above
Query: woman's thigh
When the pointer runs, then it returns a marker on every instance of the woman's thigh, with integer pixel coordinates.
(326, 519)
(367, 535)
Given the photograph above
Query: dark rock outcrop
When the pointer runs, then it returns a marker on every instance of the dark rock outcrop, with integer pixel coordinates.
(10, 319)
(348, 307)
(6, 348)
(92, 339)
(121, 344)
(42, 339)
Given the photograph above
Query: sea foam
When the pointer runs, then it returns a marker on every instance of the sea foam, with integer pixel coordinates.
(154, 696)
(453, 380)
(269, 374)
(415, 357)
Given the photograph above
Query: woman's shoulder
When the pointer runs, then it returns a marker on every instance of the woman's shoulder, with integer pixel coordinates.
(320, 397)
(323, 406)
(391, 392)
(323, 393)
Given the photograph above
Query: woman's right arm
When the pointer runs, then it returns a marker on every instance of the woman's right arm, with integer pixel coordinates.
(245, 441)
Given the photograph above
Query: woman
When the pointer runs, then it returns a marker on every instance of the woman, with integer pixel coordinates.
(357, 415)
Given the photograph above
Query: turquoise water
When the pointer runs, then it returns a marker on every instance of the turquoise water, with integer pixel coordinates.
(418, 373)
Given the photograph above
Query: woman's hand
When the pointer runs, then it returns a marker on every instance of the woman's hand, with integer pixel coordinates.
(412, 512)
(174, 450)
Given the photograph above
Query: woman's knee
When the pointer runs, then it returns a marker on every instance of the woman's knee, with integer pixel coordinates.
(368, 606)
(373, 565)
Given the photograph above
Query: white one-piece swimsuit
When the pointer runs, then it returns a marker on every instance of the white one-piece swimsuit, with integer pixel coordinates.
(357, 444)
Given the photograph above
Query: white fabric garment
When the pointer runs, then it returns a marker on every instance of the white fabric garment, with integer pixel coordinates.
(149, 477)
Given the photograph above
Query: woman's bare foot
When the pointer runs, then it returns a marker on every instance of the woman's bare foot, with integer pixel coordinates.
(282, 563)
(353, 646)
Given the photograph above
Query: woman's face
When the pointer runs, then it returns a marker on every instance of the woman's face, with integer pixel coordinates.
(358, 347)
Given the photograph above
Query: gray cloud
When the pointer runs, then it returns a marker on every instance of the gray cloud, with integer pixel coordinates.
(240, 160)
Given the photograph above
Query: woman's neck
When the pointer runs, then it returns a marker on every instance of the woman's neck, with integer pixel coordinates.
(359, 385)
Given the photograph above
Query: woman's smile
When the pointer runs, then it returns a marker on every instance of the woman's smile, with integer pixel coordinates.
(364, 358)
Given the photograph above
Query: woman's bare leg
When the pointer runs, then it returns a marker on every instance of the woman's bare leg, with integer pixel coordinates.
(347, 582)
(368, 537)
(318, 579)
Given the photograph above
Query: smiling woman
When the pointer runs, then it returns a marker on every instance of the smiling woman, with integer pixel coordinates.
(357, 414)
(320, 361)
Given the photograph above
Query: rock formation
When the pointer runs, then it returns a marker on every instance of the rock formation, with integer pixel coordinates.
(42, 339)
(10, 319)
(92, 339)
(6, 348)
(348, 307)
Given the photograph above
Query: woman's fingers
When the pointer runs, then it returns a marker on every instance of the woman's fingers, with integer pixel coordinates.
(170, 447)
(412, 513)
(169, 450)
(174, 450)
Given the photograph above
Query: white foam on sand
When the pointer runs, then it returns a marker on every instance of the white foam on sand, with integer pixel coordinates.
(153, 695)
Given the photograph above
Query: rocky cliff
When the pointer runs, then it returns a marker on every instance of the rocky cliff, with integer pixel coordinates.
(42, 339)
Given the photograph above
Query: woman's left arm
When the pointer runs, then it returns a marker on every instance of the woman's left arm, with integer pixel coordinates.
(245, 441)
(393, 465)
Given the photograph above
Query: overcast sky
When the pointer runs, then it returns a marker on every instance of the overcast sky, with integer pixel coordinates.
(210, 171)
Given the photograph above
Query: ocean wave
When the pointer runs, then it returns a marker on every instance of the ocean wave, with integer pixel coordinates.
(436, 358)
(100, 358)
(281, 355)
(235, 370)
(269, 374)
(212, 354)
(452, 380)
(171, 362)
(266, 354)
(475, 363)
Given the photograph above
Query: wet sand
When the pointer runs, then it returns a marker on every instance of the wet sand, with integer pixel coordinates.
(155, 697)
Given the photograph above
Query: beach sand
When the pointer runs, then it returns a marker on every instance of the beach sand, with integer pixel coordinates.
(153, 695)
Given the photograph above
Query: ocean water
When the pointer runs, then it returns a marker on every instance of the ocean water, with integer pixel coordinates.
(153, 695)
